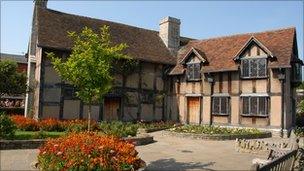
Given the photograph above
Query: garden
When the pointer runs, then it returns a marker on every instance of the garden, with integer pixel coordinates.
(17, 127)
(216, 132)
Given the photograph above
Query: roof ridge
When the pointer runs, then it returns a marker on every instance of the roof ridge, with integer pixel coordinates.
(91, 18)
(242, 34)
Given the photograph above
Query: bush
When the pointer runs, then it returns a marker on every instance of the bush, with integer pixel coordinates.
(25, 124)
(210, 130)
(299, 131)
(118, 128)
(51, 124)
(88, 151)
(156, 125)
(7, 126)
(78, 125)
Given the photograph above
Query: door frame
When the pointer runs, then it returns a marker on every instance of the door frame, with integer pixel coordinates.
(119, 114)
(200, 108)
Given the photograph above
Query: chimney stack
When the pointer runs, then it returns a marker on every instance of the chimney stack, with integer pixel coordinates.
(169, 31)
(41, 3)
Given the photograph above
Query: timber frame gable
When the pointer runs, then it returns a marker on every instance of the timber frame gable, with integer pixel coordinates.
(252, 41)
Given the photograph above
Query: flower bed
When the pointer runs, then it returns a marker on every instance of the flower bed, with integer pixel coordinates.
(216, 132)
(211, 130)
(88, 151)
(118, 128)
(156, 126)
(51, 124)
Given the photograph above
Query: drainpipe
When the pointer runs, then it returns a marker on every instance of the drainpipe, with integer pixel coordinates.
(281, 77)
(210, 79)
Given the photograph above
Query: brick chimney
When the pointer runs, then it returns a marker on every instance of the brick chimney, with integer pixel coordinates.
(41, 3)
(169, 31)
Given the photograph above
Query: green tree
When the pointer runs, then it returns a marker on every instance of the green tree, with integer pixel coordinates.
(89, 66)
(12, 82)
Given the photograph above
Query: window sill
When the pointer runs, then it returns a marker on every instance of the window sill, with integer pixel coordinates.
(254, 78)
(194, 80)
(220, 114)
(257, 116)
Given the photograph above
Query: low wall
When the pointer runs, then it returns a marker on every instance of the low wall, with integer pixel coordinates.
(264, 146)
(36, 143)
(217, 136)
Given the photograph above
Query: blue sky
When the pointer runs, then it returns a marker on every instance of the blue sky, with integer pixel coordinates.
(200, 19)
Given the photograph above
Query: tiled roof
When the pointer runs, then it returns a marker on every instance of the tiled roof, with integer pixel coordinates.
(220, 51)
(143, 44)
(16, 58)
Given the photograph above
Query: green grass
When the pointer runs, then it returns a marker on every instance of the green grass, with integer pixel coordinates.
(26, 135)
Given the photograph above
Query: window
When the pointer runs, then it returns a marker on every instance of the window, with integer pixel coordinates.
(220, 105)
(193, 71)
(255, 106)
(297, 73)
(254, 68)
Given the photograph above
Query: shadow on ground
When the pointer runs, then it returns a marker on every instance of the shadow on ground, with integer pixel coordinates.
(172, 164)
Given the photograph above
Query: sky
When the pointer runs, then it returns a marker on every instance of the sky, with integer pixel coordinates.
(199, 19)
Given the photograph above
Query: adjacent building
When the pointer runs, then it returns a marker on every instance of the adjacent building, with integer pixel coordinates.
(239, 80)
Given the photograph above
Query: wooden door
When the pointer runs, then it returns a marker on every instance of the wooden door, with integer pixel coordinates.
(111, 109)
(193, 109)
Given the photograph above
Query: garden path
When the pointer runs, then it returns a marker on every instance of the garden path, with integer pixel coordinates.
(173, 153)
(167, 153)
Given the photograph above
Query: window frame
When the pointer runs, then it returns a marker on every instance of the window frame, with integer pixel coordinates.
(193, 78)
(266, 106)
(256, 59)
(220, 105)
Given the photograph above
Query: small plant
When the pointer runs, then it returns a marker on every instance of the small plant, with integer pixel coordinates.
(118, 128)
(88, 151)
(51, 124)
(210, 130)
(299, 131)
(157, 125)
(7, 126)
(25, 124)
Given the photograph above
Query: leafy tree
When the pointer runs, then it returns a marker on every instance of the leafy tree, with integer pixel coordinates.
(89, 66)
(12, 82)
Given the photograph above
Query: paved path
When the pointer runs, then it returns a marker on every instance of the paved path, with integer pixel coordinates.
(167, 153)
(173, 153)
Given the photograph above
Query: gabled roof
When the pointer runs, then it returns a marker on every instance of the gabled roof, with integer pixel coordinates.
(221, 51)
(250, 42)
(143, 44)
(197, 52)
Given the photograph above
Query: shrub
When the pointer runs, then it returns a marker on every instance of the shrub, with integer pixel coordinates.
(199, 129)
(78, 125)
(7, 126)
(88, 151)
(118, 128)
(299, 131)
(25, 124)
(156, 125)
(51, 124)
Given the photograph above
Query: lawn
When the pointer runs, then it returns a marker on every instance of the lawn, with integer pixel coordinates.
(26, 135)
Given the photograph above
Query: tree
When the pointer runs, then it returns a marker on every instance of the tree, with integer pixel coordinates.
(89, 65)
(12, 82)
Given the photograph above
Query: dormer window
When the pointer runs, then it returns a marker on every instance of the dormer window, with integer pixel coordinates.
(193, 71)
(254, 67)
